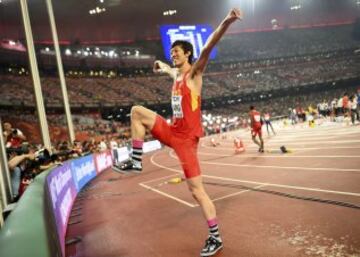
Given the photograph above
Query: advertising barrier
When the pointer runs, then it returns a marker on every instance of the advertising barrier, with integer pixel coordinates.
(151, 146)
(103, 161)
(49, 202)
(63, 192)
(83, 170)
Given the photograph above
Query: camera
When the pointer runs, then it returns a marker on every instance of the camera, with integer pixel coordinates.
(42, 156)
(24, 149)
(14, 132)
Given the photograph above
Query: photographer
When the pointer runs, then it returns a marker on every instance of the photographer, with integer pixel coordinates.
(13, 136)
(17, 165)
(24, 165)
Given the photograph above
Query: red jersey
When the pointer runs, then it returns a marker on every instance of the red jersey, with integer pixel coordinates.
(186, 107)
(345, 102)
(255, 118)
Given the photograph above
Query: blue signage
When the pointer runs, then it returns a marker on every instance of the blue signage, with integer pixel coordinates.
(195, 34)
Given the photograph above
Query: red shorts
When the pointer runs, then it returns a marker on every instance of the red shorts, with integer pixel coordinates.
(256, 131)
(185, 148)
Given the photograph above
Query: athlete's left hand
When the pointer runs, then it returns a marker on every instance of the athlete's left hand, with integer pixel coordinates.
(234, 15)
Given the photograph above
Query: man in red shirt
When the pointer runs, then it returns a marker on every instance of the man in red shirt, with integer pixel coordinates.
(256, 124)
(13, 137)
(186, 128)
(346, 109)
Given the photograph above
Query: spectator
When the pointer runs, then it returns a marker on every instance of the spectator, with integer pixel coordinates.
(13, 136)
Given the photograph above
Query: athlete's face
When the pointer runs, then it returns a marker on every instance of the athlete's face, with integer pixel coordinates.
(178, 56)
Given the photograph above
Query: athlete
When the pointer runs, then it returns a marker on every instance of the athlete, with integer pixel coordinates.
(256, 124)
(268, 123)
(186, 128)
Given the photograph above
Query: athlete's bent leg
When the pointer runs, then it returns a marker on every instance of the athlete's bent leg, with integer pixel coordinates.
(141, 119)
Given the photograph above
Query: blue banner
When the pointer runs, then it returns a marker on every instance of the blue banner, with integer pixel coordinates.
(83, 170)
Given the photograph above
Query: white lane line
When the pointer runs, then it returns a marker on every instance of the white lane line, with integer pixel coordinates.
(286, 186)
(177, 199)
(171, 153)
(237, 193)
(279, 156)
(279, 167)
(320, 130)
(314, 140)
(264, 183)
(320, 133)
(283, 135)
(295, 149)
(167, 195)
(269, 144)
(157, 179)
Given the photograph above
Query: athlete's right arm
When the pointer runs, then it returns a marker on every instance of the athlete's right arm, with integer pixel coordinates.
(161, 67)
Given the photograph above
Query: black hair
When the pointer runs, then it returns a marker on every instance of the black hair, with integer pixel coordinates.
(186, 46)
(252, 107)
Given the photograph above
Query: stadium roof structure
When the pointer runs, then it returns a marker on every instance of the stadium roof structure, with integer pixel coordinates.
(130, 20)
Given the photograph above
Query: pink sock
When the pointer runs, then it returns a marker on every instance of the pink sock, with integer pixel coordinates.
(212, 222)
(136, 143)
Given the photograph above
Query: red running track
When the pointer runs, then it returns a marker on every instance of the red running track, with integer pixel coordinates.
(142, 215)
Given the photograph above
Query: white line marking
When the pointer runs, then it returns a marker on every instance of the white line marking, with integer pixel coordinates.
(279, 156)
(157, 179)
(302, 148)
(167, 195)
(265, 183)
(302, 141)
(279, 167)
(285, 186)
(237, 193)
(171, 153)
(161, 166)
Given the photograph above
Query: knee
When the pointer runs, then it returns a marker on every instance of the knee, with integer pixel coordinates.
(136, 112)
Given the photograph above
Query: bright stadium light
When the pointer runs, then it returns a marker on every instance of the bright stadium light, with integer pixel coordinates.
(169, 12)
(295, 7)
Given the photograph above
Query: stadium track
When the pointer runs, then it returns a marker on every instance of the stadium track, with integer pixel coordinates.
(305, 203)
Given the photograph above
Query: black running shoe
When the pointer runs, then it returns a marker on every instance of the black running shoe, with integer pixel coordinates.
(129, 165)
(283, 149)
(212, 246)
(261, 150)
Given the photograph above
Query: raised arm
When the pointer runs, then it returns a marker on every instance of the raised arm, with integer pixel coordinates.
(15, 161)
(161, 67)
(200, 64)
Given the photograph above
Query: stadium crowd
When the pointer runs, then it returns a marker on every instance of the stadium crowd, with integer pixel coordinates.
(247, 65)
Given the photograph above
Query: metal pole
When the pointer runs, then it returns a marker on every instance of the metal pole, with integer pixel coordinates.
(5, 181)
(1, 217)
(60, 70)
(35, 76)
